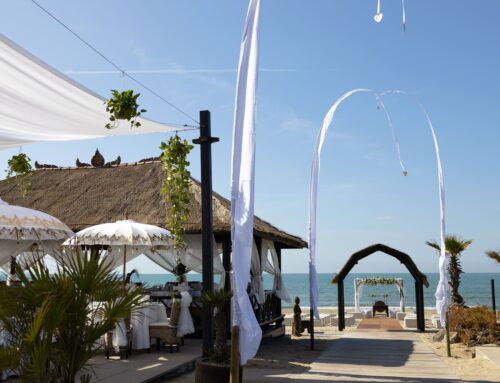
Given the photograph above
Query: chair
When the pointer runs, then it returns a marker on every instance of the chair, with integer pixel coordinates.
(124, 351)
(166, 332)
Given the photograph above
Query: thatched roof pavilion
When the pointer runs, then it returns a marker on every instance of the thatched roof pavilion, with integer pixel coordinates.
(87, 195)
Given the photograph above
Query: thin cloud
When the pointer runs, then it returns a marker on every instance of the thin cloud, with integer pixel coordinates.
(171, 71)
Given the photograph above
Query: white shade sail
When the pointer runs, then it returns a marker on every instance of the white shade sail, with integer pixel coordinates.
(38, 104)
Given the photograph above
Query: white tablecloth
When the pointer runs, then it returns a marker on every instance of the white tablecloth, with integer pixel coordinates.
(140, 321)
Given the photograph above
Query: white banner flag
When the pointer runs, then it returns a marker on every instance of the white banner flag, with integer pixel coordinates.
(242, 184)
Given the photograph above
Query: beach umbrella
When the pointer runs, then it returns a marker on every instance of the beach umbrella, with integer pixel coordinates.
(127, 234)
(23, 230)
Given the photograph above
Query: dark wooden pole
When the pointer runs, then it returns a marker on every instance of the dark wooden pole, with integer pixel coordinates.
(341, 308)
(493, 301)
(311, 326)
(226, 262)
(205, 141)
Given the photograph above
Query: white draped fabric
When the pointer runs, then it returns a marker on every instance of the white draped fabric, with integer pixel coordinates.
(166, 257)
(273, 268)
(40, 104)
(242, 184)
(257, 281)
(442, 287)
(441, 291)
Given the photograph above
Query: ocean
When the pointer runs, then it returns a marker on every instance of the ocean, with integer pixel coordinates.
(474, 287)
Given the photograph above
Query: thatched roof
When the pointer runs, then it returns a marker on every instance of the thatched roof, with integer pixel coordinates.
(86, 196)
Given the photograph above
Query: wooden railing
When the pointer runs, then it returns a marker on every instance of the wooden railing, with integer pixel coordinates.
(270, 311)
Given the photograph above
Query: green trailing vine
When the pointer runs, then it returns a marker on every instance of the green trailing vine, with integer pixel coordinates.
(19, 168)
(123, 106)
(176, 187)
(380, 281)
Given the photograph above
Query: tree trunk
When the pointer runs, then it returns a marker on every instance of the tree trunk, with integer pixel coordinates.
(220, 332)
(454, 271)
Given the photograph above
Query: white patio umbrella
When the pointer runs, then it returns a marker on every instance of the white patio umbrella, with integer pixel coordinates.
(23, 229)
(126, 234)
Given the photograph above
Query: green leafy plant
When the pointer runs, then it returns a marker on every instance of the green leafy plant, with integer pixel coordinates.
(53, 320)
(218, 299)
(176, 187)
(19, 168)
(123, 106)
(454, 246)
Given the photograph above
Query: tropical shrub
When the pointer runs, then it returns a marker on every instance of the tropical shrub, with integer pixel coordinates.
(476, 325)
(19, 168)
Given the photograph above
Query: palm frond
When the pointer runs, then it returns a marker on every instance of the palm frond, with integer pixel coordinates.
(495, 255)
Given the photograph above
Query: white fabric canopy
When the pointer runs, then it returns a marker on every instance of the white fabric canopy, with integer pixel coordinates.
(38, 104)
(257, 281)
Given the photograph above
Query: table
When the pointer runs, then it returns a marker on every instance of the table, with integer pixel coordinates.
(140, 321)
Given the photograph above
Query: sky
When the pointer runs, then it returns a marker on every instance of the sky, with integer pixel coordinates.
(311, 52)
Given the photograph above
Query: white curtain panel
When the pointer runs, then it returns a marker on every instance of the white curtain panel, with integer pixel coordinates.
(39, 104)
(401, 288)
(358, 289)
(273, 268)
(257, 281)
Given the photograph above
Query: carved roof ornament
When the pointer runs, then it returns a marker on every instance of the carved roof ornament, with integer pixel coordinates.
(81, 164)
(97, 160)
(45, 166)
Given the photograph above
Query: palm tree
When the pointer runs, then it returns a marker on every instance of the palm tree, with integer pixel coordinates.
(495, 255)
(51, 320)
(454, 246)
(219, 299)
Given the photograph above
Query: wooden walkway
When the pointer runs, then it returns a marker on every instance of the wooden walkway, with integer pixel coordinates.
(372, 355)
(380, 356)
(380, 323)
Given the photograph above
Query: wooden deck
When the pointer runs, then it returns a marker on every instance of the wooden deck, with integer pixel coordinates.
(365, 356)
(143, 367)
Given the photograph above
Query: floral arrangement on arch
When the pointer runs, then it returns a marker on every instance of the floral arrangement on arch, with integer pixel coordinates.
(379, 281)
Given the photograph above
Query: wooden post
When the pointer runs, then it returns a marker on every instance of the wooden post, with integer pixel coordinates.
(226, 263)
(311, 327)
(448, 349)
(341, 304)
(234, 376)
(493, 301)
(205, 141)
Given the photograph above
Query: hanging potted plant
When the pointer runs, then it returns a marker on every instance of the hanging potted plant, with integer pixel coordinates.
(19, 168)
(123, 106)
(216, 367)
(176, 189)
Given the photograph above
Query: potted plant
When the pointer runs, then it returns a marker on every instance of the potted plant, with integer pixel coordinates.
(19, 167)
(215, 368)
(123, 106)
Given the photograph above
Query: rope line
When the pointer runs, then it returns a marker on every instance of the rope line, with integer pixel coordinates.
(117, 67)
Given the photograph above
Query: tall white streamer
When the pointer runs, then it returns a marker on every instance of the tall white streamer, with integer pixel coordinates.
(313, 188)
(442, 287)
(242, 184)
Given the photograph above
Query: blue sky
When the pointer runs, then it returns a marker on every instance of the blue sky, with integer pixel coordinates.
(311, 53)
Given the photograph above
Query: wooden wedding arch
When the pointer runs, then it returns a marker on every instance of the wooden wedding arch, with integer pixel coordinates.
(405, 259)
